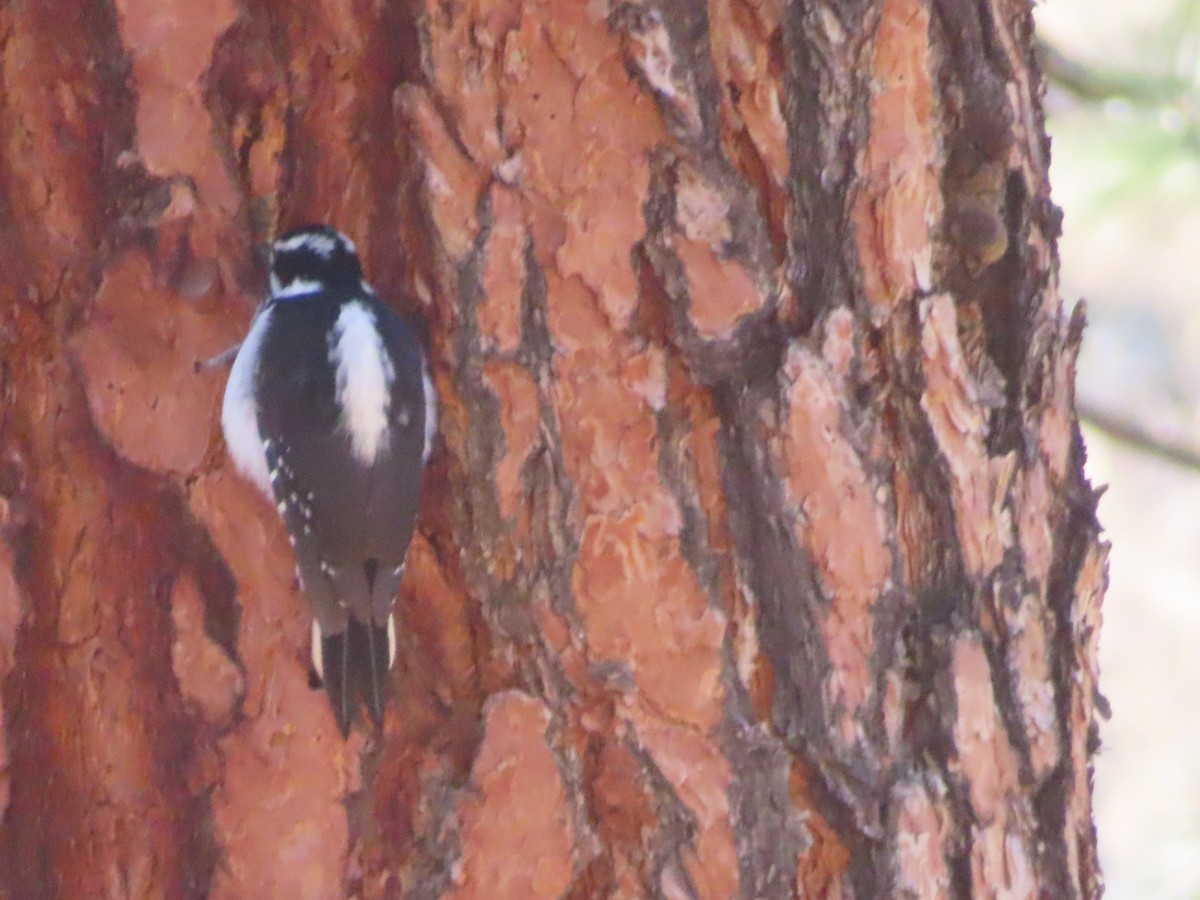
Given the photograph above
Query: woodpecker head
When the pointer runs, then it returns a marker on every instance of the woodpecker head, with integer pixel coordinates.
(312, 258)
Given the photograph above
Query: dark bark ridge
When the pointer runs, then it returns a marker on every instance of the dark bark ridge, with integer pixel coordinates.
(757, 545)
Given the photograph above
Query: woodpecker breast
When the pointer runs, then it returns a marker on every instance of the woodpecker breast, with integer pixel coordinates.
(239, 414)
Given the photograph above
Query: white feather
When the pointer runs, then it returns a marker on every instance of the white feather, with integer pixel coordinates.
(363, 380)
(238, 418)
(318, 657)
(431, 410)
(391, 639)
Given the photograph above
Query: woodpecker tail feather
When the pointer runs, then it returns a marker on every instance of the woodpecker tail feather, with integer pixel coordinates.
(353, 663)
(371, 651)
(333, 659)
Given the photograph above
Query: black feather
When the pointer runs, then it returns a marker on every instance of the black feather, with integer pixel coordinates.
(336, 656)
(376, 669)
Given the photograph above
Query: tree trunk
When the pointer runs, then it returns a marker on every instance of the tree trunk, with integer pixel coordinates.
(756, 558)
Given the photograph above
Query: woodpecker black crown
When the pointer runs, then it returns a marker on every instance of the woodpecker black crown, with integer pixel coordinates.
(311, 258)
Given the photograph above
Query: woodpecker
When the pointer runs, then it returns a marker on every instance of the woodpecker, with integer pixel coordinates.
(330, 410)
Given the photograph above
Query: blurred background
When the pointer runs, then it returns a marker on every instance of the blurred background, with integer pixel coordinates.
(1124, 114)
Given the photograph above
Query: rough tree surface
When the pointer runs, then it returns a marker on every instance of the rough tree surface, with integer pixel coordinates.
(756, 558)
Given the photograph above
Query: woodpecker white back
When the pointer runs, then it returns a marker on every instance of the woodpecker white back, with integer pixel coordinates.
(364, 375)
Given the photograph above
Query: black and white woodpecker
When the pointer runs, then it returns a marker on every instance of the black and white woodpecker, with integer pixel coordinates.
(330, 410)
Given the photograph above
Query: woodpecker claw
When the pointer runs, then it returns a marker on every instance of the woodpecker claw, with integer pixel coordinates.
(224, 358)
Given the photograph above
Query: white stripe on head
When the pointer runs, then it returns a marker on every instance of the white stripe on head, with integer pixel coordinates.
(364, 376)
(239, 419)
(317, 242)
(431, 409)
(297, 287)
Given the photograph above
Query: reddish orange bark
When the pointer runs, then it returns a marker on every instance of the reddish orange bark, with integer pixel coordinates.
(756, 557)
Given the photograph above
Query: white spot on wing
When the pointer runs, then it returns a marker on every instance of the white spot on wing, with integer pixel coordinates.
(364, 376)
(431, 410)
(239, 420)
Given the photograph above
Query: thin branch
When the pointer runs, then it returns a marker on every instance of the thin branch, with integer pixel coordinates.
(1139, 437)
(1094, 85)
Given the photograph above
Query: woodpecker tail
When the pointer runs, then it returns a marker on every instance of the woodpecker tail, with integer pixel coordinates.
(371, 650)
(353, 663)
(333, 661)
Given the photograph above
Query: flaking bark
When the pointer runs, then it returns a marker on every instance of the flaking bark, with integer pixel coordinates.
(756, 559)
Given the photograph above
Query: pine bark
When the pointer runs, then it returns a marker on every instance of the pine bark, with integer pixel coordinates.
(756, 558)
